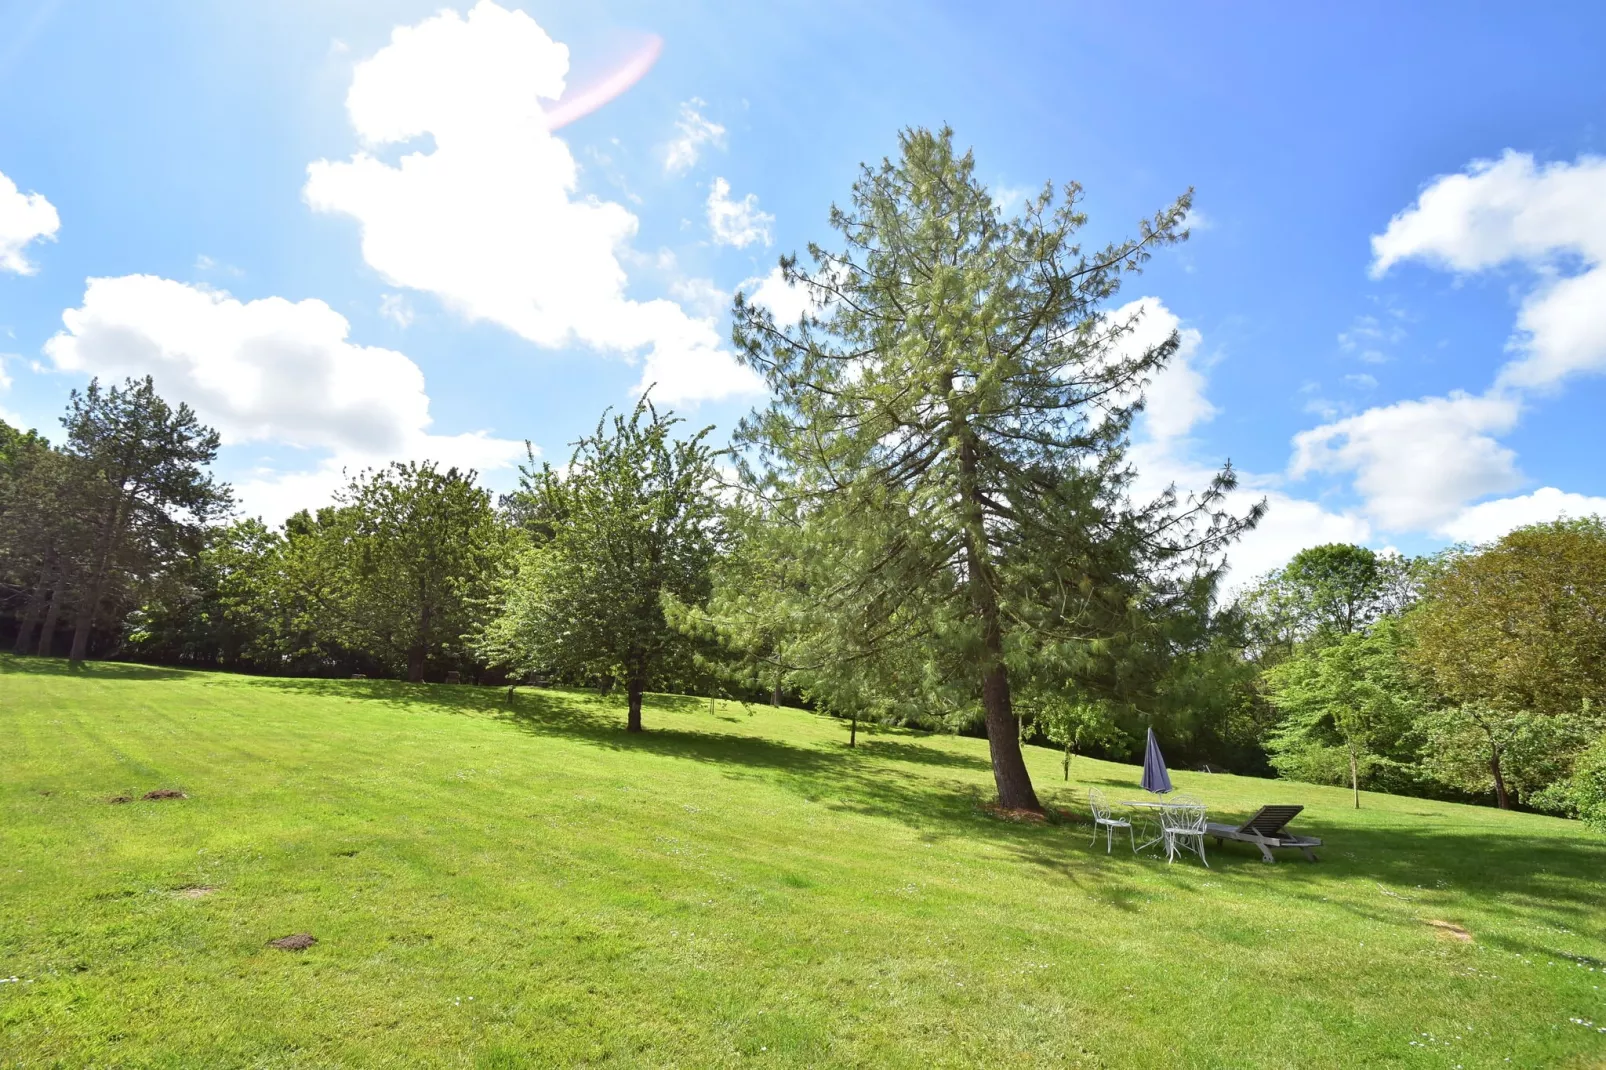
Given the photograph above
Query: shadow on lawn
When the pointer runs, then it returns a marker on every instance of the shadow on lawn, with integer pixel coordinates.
(914, 752)
(1528, 873)
(92, 670)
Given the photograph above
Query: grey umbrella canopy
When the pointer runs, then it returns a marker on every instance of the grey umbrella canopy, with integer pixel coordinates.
(1155, 778)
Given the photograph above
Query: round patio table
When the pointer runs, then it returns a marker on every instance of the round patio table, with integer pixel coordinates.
(1144, 804)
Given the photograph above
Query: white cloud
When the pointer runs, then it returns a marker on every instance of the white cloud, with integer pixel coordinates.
(787, 303)
(489, 220)
(1367, 337)
(1175, 402)
(738, 223)
(1289, 526)
(1549, 217)
(397, 309)
(1417, 462)
(1163, 455)
(1487, 521)
(269, 370)
(695, 131)
(24, 218)
(273, 494)
(266, 370)
(703, 295)
(1362, 381)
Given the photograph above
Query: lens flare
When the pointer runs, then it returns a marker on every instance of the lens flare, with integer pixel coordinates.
(582, 102)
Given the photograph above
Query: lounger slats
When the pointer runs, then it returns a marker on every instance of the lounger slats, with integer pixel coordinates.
(1271, 819)
(1266, 830)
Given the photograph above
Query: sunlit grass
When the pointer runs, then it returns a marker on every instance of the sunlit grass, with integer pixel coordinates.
(495, 885)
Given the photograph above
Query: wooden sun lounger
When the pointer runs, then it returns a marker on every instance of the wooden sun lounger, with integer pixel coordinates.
(1265, 830)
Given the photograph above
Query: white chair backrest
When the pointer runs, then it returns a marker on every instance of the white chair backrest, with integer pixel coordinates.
(1096, 803)
(1183, 813)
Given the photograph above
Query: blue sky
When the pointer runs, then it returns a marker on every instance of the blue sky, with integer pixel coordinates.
(1393, 304)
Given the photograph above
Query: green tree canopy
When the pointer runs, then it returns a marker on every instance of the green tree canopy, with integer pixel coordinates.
(1323, 593)
(1348, 708)
(423, 549)
(146, 488)
(631, 523)
(1511, 632)
(947, 432)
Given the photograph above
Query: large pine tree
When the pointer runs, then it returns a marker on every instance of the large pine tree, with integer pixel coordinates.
(947, 432)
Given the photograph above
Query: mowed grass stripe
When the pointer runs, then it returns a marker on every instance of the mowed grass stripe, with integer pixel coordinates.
(736, 886)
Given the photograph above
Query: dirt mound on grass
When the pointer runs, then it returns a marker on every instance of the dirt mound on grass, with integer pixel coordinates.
(294, 942)
(116, 799)
(1450, 930)
(194, 891)
(164, 793)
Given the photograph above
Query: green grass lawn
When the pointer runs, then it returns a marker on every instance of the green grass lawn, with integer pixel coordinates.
(506, 886)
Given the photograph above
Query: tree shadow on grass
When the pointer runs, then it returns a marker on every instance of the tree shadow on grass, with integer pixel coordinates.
(898, 751)
(857, 781)
(448, 698)
(90, 670)
(1527, 873)
(1415, 872)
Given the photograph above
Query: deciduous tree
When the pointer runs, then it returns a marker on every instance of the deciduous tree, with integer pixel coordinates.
(1516, 630)
(631, 522)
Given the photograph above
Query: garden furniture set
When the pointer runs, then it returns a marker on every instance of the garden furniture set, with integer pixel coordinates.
(1182, 826)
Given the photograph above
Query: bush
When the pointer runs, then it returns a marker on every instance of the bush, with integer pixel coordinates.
(1584, 793)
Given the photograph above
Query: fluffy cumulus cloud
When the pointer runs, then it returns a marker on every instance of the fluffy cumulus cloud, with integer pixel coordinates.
(787, 303)
(739, 223)
(1415, 463)
(489, 219)
(1164, 454)
(693, 130)
(1418, 464)
(1550, 217)
(268, 371)
(1487, 521)
(1174, 400)
(24, 218)
(1290, 525)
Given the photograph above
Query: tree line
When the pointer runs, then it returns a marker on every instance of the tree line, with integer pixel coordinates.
(933, 521)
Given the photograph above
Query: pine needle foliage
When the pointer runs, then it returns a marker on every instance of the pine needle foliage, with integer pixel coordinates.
(948, 433)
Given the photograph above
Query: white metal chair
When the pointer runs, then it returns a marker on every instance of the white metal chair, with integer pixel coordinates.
(1103, 818)
(1183, 827)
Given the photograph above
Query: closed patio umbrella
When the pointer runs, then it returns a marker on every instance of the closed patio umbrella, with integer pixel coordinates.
(1155, 778)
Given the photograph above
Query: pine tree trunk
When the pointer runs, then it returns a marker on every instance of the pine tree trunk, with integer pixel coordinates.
(30, 616)
(82, 623)
(1014, 783)
(111, 533)
(415, 665)
(47, 632)
(1500, 795)
(853, 729)
(775, 696)
(638, 687)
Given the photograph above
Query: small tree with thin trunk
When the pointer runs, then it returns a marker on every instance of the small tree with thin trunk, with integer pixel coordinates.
(631, 524)
(1347, 708)
(948, 429)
